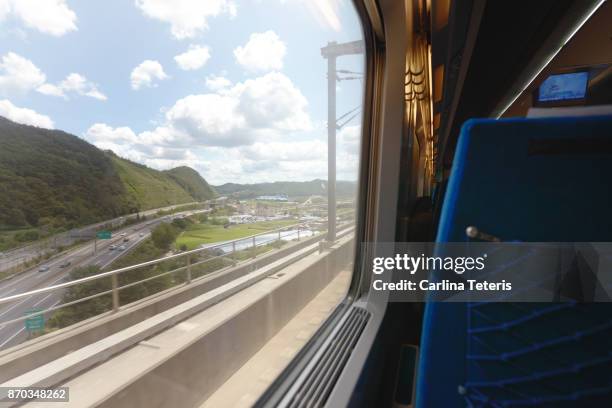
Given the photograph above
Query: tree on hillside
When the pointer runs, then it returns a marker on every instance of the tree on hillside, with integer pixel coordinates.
(181, 223)
(164, 235)
(89, 308)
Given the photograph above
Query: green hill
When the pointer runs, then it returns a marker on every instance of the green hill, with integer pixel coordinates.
(147, 188)
(53, 180)
(48, 177)
(192, 182)
(294, 189)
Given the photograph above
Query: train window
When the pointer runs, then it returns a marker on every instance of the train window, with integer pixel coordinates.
(179, 179)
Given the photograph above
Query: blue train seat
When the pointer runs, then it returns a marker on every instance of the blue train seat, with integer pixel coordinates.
(532, 180)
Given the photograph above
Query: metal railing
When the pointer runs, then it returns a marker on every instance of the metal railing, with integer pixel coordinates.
(251, 243)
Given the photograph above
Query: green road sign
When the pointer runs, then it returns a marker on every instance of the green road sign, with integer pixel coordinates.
(103, 235)
(35, 320)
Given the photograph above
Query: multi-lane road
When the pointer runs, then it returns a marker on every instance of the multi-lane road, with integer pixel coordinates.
(20, 255)
(84, 255)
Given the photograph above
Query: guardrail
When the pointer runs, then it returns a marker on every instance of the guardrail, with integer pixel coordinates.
(250, 243)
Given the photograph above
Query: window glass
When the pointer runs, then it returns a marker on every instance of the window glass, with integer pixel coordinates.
(167, 143)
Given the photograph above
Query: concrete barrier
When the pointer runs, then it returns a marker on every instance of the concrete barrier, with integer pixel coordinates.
(37, 352)
(196, 370)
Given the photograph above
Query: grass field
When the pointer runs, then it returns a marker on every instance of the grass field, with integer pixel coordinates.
(198, 234)
(148, 188)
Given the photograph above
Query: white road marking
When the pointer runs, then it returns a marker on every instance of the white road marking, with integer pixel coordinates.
(28, 298)
(9, 292)
(42, 300)
(14, 306)
(12, 337)
(23, 328)
(58, 279)
(15, 281)
(54, 304)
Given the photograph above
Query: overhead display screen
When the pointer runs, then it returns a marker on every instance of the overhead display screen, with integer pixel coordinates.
(564, 87)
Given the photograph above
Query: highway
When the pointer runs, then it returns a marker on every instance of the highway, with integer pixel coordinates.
(16, 256)
(84, 255)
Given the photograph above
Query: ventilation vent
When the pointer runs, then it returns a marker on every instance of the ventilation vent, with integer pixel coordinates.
(317, 386)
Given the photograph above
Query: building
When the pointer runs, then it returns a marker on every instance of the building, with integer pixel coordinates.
(277, 197)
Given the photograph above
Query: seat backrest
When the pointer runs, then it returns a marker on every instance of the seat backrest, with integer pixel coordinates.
(533, 180)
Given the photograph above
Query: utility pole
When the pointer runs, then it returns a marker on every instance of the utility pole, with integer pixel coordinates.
(331, 52)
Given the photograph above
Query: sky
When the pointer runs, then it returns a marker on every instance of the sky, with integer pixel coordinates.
(236, 89)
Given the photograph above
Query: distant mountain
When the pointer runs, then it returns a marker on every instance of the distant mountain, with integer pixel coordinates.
(52, 179)
(294, 189)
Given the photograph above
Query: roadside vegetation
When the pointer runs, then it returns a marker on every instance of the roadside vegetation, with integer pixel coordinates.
(11, 238)
(164, 239)
(216, 230)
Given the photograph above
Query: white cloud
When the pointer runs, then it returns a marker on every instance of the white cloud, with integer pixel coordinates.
(5, 9)
(19, 74)
(248, 131)
(140, 148)
(74, 83)
(94, 93)
(217, 83)
(273, 101)
(165, 136)
(194, 58)
(210, 119)
(51, 90)
(145, 74)
(289, 160)
(101, 132)
(24, 116)
(52, 17)
(187, 18)
(169, 153)
(263, 52)
(304, 150)
(350, 138)
(263, 106)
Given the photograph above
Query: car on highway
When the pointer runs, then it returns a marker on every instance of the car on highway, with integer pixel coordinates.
(65, 264)
(141, 234)
(44, 268)
(121, 248)
(112, 247)
(126, 239)
(123, 234)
